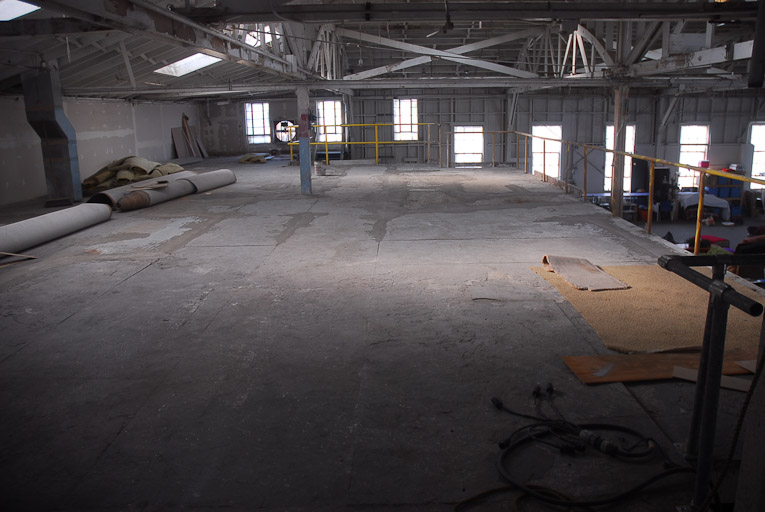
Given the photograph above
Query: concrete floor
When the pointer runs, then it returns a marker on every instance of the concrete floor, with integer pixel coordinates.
(253, 348)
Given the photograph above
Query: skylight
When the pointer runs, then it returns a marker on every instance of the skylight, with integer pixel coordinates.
(12, 9)
(187, 65)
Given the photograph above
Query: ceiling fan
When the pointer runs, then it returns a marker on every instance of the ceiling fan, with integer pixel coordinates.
(448, 25)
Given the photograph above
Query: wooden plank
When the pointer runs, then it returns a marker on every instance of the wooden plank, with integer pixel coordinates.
(582, 274)
(181, 146)
(750, 366)
(725, 382)
(202, 147)
(23, 257)
(640, 367)
(189, 136)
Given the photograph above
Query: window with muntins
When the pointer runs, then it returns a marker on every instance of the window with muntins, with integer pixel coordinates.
(629, 147)
(329, 118)
(257, 123)
(405, 119)
(757, 139)
(694, 147)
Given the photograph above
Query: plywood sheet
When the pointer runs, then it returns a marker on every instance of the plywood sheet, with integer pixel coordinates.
(660, 312)
(640, 367)
(582, 274)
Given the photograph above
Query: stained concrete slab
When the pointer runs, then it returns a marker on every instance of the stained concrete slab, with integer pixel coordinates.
(255, 348)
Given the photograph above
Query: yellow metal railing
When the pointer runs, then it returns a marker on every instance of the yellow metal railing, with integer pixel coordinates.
(377, 142)
(702, 171)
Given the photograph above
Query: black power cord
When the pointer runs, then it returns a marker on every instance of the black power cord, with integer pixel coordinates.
(588, 432)
(570, 439)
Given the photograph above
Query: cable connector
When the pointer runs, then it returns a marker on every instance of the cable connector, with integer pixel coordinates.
(536, 392)
(598, 442)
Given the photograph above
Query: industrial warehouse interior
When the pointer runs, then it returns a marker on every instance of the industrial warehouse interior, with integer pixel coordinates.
(401, 255)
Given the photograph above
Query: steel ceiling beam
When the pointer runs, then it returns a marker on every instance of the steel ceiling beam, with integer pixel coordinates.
(48, 27)
(151, 21)
(246, 11)
(699, 59)
(459, 50)
(413, 48)
(392, 85)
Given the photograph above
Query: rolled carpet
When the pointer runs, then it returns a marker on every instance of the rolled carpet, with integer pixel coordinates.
(20, 236)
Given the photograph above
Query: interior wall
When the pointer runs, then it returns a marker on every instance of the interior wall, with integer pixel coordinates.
(223, 125)
(106, 131)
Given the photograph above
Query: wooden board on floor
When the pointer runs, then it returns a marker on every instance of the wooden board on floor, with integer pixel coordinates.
(582, 274)
(749, 365)
(640, 367)
(692, 375)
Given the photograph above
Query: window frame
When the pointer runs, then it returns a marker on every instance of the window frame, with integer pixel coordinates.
(754, 174)
(687, 177)
(608, 168)
(408, 130)
(536, 163)
(330, 132)
(462, 157)
(259, 133)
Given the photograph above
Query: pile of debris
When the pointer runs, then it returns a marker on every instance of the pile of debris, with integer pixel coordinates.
(127, 170)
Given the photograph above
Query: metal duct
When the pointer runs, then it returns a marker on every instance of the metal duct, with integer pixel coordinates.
(28, 233)
(45, 113)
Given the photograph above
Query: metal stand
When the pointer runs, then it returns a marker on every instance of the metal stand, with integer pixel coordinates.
(701, 439)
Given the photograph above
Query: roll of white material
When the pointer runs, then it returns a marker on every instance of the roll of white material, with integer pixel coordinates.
(173, 190)
(210, 180)
(113, 195)
(20, 236)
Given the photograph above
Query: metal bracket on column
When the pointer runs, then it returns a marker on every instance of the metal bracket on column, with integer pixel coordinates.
(701, 439)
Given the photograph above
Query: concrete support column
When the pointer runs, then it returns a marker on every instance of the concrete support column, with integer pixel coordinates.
(45, 113)
(304, 139)
(621, 94)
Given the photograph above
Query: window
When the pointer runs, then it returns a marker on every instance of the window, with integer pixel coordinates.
(468, 144)
(405, 120)
(546, 152)
(330, 117)
(757, 139)
(694, 144)
(629, 147)
(257, 123)
(187, 65)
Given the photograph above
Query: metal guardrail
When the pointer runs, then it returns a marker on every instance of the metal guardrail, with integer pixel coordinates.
(703, 171)
(377, 142)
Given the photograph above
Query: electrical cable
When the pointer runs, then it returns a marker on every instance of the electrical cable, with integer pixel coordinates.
(572, 439)
(580, 502)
